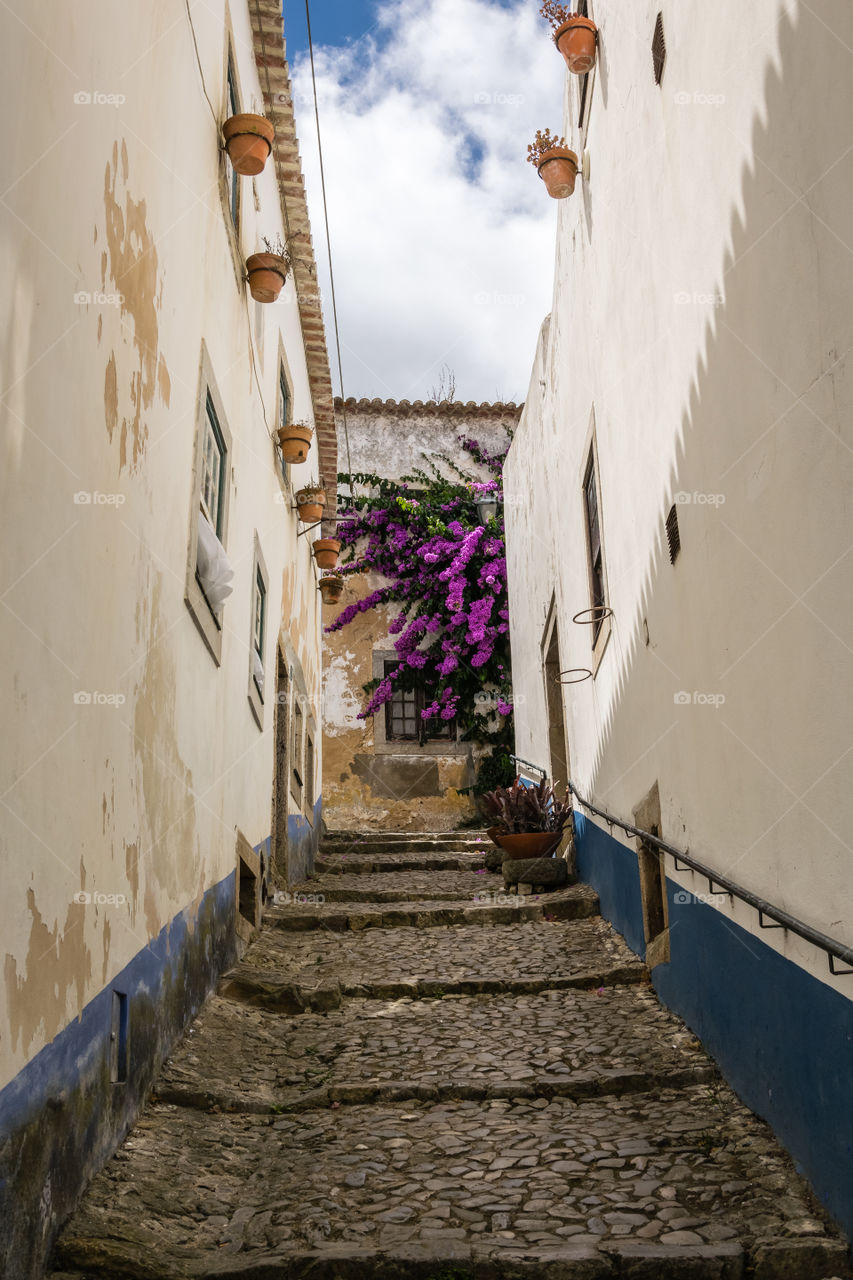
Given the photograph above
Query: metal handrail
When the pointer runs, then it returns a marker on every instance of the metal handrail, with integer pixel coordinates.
(530, 765)
(784, 920)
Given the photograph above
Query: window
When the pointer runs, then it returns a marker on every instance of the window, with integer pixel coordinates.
(658, 49)
(283, 398)
(404, 721)
(673, 534)
(209, 574)
(593, 532)
(309, 774)
(213, 455)
(258, 638)
(583, 85)
(296, 783)
(231, 173)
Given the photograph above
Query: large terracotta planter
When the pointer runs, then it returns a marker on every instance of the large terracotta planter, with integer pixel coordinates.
(311, 504)
(267, 273)
(295, 441)
(326, 552)
(576, 41)
(331, 587)
(532, 844)
(248, 141)
(558, 169)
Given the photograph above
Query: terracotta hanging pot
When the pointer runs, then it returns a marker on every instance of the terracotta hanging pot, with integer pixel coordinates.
(558, 169)
(326, 552)
(295, 440)
(530, 844)
(311, 504)
(331, 587)
(576, 40)
(267, 273)
(248, 141)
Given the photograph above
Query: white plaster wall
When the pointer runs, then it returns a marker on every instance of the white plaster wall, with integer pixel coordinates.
(141, 800)
(701, 310)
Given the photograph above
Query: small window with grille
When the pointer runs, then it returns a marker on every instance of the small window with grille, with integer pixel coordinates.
(658, 49)
(673, 534)
(404, 720)
(594, 548)
(233, 110)
(583, 12)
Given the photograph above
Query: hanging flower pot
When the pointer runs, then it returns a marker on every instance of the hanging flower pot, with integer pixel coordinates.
(326, 552)
(311, 502)
(574, 35)
(576, 40)
(331, 587)
(267, 273)
(295, 440)
(248, 141)
(556, 164)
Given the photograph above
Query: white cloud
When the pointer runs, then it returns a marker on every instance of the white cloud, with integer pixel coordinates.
(442, 234)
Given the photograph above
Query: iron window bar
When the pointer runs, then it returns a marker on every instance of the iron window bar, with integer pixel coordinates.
(834, 949)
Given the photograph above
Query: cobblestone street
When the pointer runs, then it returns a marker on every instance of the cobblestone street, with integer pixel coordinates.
(413, 1074)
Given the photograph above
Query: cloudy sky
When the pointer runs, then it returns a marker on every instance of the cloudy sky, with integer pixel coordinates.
(442, 234)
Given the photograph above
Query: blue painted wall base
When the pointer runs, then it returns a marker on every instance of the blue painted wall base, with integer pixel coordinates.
(782, 1039)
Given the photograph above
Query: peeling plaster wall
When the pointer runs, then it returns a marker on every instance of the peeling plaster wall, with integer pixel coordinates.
(129, 759)
(702, 313)
(367, 783)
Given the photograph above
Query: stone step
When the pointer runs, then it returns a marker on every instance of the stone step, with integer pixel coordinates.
(569, 1043)
(386, 963)
(357, 866)
(667, 1185)
(401, 844)
(468, 885)
(573, 903)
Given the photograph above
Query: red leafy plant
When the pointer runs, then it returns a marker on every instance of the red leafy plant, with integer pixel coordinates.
(520, 809)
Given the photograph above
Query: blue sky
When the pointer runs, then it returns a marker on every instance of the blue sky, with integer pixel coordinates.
(443, 236)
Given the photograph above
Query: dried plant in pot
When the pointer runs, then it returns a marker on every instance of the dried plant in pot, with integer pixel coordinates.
(556, 163)
(295, 440)
(311, 503)
(529, 821)
(267, 272)
(331, 587)
(248, 141)
(326, 552)
(574, 35)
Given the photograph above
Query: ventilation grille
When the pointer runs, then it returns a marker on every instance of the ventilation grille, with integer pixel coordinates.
(673, 536)
(659, 49)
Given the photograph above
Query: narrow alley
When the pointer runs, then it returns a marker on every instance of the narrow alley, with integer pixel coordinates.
(412, 1073)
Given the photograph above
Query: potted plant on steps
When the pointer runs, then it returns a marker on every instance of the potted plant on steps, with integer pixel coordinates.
(556, 164)
(248, 141)
(574, 35)
(529, 820)
(295, 440)
(326, 552)
(311, 503)
(267, 272)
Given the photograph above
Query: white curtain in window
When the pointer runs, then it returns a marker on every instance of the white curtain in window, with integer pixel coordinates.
(214, 568)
